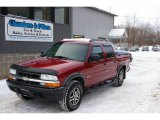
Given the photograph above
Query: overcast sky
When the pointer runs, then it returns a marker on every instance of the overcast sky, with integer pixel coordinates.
(145, 10)
(143, 14)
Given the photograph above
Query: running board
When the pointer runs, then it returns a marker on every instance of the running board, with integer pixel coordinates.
(100, 85)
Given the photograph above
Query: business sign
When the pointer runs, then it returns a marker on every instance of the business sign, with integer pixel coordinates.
(17, 29)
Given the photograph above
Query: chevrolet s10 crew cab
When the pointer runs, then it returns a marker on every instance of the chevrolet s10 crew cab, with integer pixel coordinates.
(67, 69)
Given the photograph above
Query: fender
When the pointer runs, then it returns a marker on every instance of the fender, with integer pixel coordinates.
(73, 76)
(119, 67)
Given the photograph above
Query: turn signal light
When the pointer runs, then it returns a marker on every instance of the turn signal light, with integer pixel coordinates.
(10, 77)
(52, 85)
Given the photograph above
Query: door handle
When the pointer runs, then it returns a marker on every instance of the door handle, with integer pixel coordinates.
(114, 60)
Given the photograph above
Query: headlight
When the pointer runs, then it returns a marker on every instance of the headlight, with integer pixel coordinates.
(12, 71)
(49, 77)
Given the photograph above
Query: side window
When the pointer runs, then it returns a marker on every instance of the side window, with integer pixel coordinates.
(98, 50)
(109, 51)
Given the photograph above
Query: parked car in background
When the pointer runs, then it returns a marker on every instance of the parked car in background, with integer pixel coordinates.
(126, 49)
(134, 49)
(122, 48)
(156, 48)
(145, 48)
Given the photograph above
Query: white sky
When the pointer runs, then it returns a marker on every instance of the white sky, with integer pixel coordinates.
(143, 14)
(145, 10)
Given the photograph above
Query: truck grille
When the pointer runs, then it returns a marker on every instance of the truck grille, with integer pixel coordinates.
(28, 75)
(28, 82)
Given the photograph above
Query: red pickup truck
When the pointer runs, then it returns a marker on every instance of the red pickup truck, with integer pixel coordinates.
(67, 69)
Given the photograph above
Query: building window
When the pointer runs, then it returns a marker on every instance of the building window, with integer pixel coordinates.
(18, 11)
(61, 15)
(55, 14)
(42, 13)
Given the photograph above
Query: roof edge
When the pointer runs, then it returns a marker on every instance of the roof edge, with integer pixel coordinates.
(103, 11)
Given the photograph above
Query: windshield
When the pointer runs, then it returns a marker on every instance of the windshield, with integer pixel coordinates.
(71, 51)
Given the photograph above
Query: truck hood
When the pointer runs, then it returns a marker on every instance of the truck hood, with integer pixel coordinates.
(56, 64)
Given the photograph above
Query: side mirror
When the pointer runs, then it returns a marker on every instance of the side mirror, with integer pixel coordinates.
(94, 57)
(42, 53)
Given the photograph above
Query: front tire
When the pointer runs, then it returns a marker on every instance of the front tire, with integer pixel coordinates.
(72, 97)
(118, 81)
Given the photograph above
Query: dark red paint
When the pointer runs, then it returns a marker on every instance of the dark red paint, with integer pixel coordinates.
(94, 72)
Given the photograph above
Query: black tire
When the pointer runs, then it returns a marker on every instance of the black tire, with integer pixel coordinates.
(72, 97)
(24, 97)
(118, 81)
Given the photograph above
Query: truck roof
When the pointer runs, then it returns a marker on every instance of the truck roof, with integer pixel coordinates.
(87, 40)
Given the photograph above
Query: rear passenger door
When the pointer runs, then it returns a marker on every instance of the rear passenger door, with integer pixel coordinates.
(96, 70)
(111, 63)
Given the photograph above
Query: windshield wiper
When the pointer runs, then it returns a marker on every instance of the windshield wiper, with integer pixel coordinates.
(62, 57)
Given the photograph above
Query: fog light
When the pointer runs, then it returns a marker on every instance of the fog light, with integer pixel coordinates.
(10, 77)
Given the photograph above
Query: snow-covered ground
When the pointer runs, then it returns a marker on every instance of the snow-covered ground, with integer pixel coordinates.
(139, 93)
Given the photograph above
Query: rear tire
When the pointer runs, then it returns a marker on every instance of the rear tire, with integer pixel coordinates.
(118, 81)
(72, 97)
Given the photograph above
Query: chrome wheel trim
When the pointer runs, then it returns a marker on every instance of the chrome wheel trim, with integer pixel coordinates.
(121, 75)
(74, 96)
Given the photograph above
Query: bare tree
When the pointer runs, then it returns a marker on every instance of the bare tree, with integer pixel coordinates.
(141, 33)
